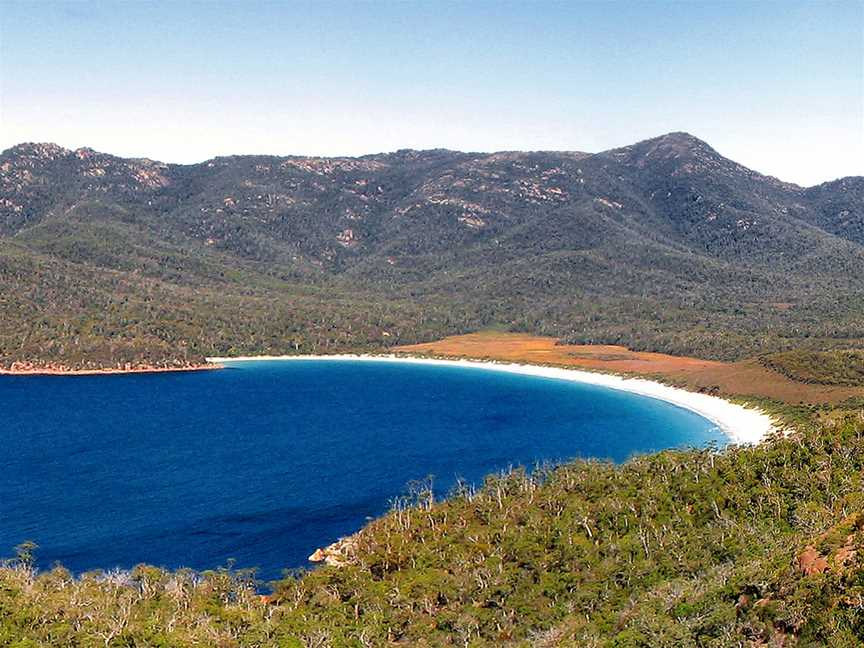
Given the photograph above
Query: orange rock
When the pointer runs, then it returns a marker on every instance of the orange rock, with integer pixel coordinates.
(810, 562)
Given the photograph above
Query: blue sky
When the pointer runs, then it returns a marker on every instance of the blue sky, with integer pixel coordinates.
(778, 86)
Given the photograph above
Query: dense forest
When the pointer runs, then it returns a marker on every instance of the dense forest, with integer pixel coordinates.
(664, 245)
(749, 546)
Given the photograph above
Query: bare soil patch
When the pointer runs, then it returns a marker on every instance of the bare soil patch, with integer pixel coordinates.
(744, 378)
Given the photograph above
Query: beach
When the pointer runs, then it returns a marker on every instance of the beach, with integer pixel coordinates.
(742, 425)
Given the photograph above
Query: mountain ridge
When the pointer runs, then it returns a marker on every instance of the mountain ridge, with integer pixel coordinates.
(661, 245)
(679, 136)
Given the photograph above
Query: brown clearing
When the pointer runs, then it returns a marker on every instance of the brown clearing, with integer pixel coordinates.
(743, 378)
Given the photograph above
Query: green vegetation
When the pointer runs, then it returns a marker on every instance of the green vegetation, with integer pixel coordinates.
(839, 367)
(663, 245)
(682, 548)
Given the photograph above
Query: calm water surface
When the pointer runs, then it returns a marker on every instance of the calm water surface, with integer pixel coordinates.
(265, 461)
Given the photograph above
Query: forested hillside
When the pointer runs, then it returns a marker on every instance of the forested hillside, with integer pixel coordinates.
(664, 245)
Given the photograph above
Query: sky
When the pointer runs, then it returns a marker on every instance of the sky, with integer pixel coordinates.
(777, 86)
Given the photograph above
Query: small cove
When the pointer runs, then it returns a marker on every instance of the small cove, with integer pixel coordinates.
(265, 461)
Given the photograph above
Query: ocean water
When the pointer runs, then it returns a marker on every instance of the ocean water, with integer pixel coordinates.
(265, 461)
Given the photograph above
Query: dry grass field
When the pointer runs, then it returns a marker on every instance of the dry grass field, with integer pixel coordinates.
(744, 378)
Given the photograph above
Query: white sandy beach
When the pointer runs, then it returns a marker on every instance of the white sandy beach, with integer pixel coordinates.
(741, 424)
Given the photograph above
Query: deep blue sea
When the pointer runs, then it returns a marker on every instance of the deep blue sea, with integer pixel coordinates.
(265, 461)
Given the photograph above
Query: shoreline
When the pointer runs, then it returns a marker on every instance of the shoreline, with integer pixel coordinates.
(742, 425)
(62, 371)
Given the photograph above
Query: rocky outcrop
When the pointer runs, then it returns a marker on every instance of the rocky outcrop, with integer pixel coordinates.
(340, 553)
(23, 368)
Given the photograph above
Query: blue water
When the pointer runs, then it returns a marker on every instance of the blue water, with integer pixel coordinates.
(263, 462)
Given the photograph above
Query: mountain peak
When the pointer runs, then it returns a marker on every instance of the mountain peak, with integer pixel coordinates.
(677, 153)
(676, 145)
(47, 150)
(678, 142)
(681, 137)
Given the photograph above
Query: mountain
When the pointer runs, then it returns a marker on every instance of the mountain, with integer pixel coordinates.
(663, 245)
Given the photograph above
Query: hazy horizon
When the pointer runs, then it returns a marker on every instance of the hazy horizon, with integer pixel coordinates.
(778, 87)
